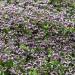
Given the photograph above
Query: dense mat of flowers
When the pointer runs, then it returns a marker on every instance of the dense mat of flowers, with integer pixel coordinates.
(37, 38)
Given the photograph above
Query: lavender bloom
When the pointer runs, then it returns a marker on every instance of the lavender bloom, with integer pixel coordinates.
(23, 39)
(4, 57)
(11, 8)
(55, 56)
(1, 44)
(19, 20)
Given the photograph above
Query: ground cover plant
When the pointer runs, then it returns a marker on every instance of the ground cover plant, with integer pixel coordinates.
(37, 37)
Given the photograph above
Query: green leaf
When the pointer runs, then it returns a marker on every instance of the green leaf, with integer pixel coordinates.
(55, 62)
(33, 72)
(46, 26)
(61, 69)
(6, 16)
(1, 63)
(35, 0)
(8, 63)
(50, 52)
(6, 30)
(9, 1)
(1, 73)
(23, 46)
(68, 30)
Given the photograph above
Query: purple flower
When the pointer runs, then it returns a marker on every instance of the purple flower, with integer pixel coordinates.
(55, 56)
(1, 44)
(4, 57)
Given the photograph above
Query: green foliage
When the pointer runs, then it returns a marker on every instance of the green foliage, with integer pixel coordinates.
(2, 73)
(6, 16)
(53, 64)
(50, 52)
(1, 62)
(9, 1)
(69, 30)
(8, 63)
(45, 26)
(6, 30)
(61, 69)
(33, 72)
(66, 30)
(55, 1)
(27, 31)
(35, 0)
(24, 47)
(50, 29)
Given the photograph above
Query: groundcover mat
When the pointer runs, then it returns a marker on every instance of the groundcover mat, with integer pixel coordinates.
(37, 37)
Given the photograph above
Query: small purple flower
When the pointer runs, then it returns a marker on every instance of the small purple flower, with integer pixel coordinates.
(1, 44)
(23, 39)
(11, 8)
(4, 57)
(55, 56)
